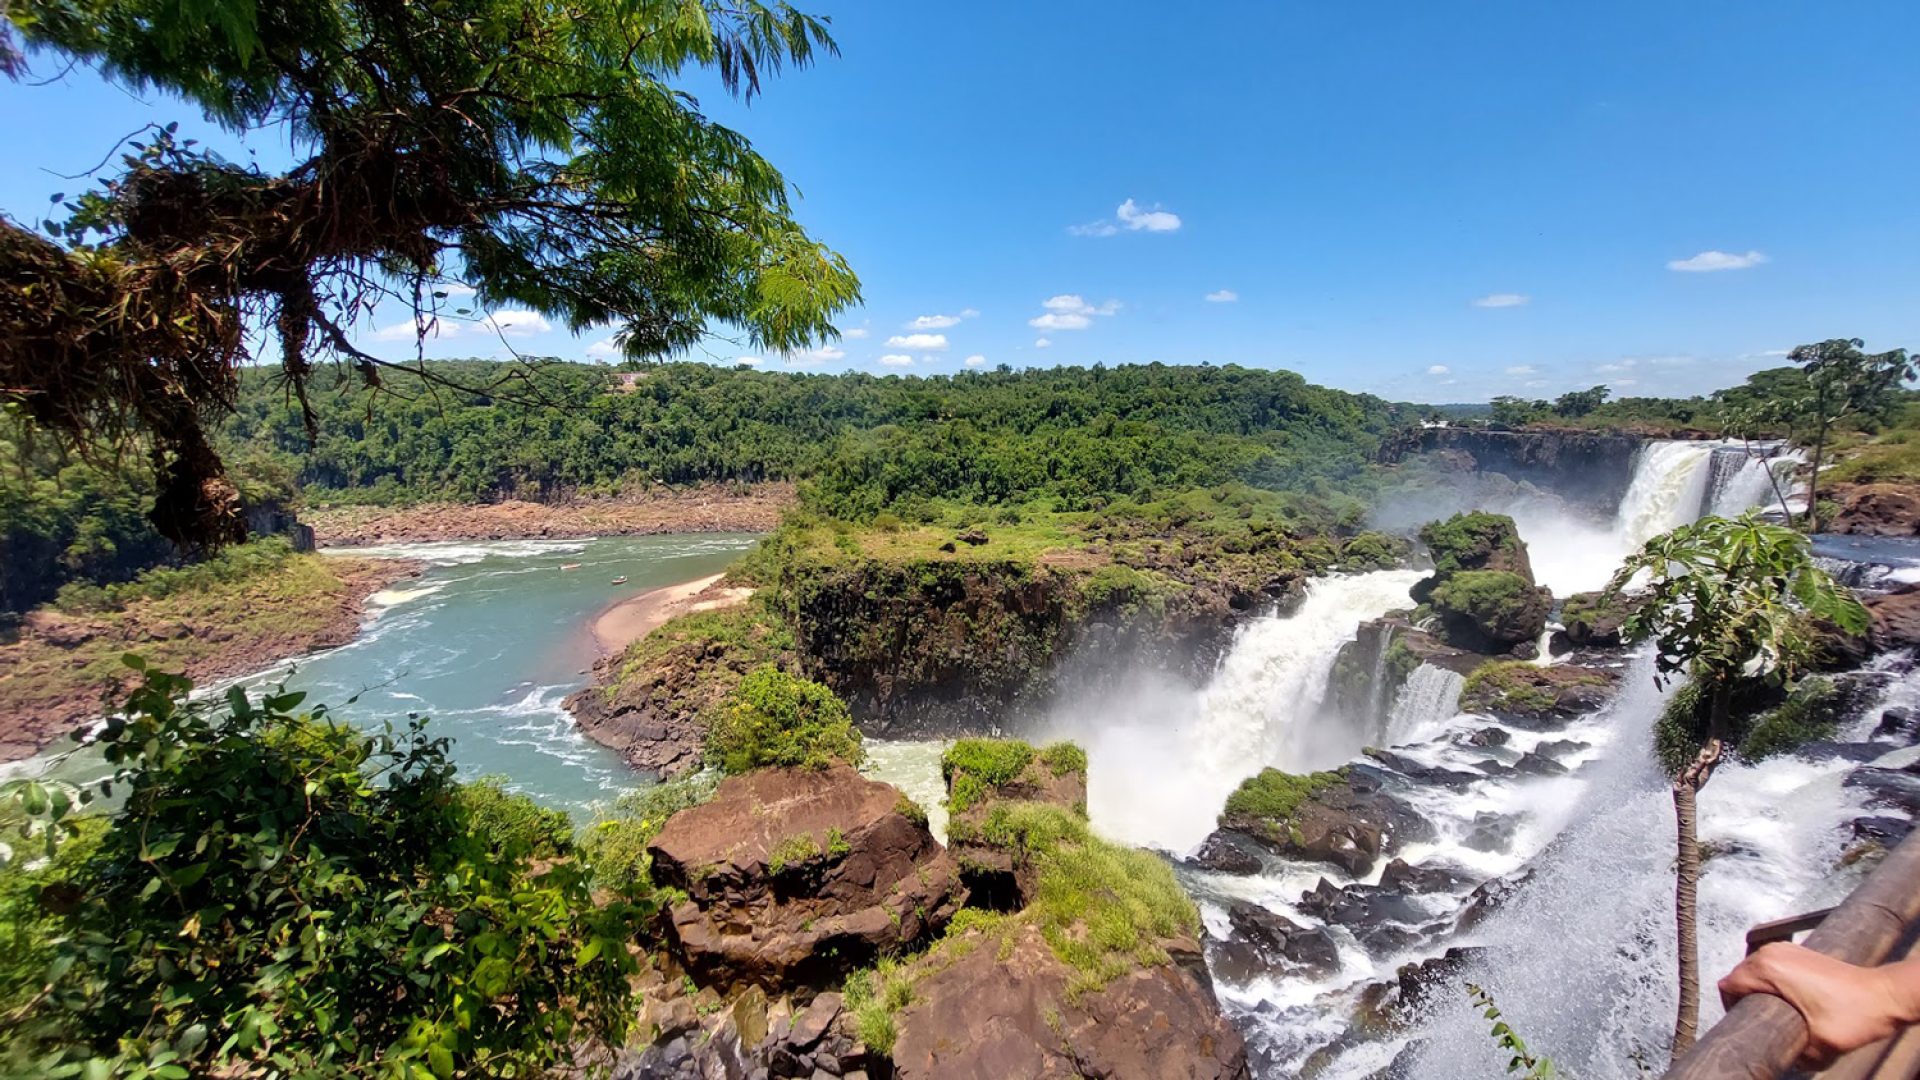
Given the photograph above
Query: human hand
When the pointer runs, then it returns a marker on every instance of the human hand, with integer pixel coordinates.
(1845, 1006)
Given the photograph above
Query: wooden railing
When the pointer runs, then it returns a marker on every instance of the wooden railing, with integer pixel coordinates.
(1762, 1035)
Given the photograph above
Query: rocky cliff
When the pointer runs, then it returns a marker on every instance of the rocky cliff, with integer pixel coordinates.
(1588, 468)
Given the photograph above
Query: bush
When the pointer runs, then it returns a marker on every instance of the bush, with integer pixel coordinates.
(273, 879)
(1372, 551)
(615, 845)
(514, 825)
(776, 719)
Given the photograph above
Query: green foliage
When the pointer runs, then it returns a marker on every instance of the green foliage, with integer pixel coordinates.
(269, 880)
(228, 566)
(1581, 402)
(1062, 758)
(1488, 597)
(973, 768)
(1521, 1060)
(1372, 551)
(776, 719)
(615, 845)
(1765, 719)
(1467, 541)
(793, 851)
(513, 826)
(1505, 686)
(1274, 796)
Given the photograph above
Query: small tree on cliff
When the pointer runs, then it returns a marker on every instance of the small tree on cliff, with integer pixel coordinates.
(1842, 382)
(530, 153)
(1730, 601)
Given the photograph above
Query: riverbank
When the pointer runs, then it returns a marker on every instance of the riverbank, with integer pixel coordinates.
(627, 621)
(59, 667)
(712, 509)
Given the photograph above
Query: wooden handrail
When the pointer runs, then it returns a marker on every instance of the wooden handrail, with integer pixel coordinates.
(1762, 1035)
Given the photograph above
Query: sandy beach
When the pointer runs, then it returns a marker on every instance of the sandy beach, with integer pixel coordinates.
(629, 620)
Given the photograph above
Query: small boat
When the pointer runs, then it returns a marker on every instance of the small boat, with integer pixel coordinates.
(621, 580)
(570, 566)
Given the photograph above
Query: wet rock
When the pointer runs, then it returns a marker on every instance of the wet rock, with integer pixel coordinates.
(1425, 774)
(1591, 620)
(1261, 943)
(1487, 736)
(795, 877)
(1490, 897)
(1558, 748)
(1534, 763)
(1400, 876)
(1537, 697)
(1896, 619)
(1006, 1011)
(1226, 852)
(1898, 722)
(1889, 788)
(1361, 907)
(1887, 831)
(1344, 818)
(1491, 832)
(1394, 1003)
(1490, 611)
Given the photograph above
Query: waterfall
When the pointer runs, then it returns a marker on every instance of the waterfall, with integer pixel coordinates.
(1164, 757)
(1430, 698)
(1669, 487)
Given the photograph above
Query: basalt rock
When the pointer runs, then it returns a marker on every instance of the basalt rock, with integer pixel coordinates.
(1472, 542)
(1590, 468)
(794, 877)
(998, 876)
(1878, 510)
(1532, 696)
(1260, 942)
(1490, 611)
(1226, 852)
(1345, 819)
(1005, 1010)
(1896, 619)
(1594, 620)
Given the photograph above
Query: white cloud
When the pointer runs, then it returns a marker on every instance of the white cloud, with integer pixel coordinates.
(1502, 299)
(749, 361)
(941, 322)
(1223, 296)
(897, 360)
(605, 348)
(1618, 366)
(1439, 369)
(1710, 261)
(922, 342)
(1070, 311)
(976, 360)
(1132, 217)
(409, 330)
(512, 322)
(1626, 382)
(1042, 343)
(855, 334)
(1520, 369)
(1055, 321)
(813, 357)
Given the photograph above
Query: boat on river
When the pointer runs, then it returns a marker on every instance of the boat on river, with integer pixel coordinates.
(621, 580)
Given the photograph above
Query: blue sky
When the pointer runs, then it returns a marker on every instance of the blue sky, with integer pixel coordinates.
(1436, 202)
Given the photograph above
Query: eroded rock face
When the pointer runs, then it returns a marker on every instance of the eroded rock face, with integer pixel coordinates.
(996, 877)
(1005, 1011)
(795, 877)
(1878, 510)
(1896, 619)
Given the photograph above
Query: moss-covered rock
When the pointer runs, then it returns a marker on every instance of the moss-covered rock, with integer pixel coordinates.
(1342, 818)
(1473, 541)
(986, 780)
(1373, 551)
(1520, 692)
(1490, 611)
(1594, 619)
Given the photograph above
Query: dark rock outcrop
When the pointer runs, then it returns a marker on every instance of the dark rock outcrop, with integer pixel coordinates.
(1877, 510)
(1260, 942)
(1490, 611)
(795, 877)
(1532, 696)
(1345, 819)
(1896, 619)
(1005, 1010)
(1593, 620)
(1591, 469)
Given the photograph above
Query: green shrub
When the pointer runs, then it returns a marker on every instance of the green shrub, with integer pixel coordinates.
(972, 768)
(1371, 551)
(270, 882)
(514, 825)
(615, 845)
(1062, 758)
(776, 719)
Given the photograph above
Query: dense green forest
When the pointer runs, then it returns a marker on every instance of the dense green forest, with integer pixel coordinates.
(1076, 437)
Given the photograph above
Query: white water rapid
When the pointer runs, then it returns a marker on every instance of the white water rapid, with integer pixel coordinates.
(1429, 699)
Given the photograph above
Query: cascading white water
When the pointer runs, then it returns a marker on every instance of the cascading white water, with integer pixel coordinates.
(1429, 699)
(1668, 489)
(1163, 759)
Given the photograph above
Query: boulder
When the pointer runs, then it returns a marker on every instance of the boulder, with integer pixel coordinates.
(1401, 876)
(1226, 852)
(1517, 692)
(1896, 619)
(1260, 942)
(1898, 723)
(794, 877)
(1490, 611)
(993, 1011)
(1472, 541)
(1593, 620)
(1878, 510)
(1344, 818)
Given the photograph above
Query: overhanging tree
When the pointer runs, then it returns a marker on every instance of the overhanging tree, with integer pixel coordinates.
(1842, 382)
(536, 153)
(1731, 602)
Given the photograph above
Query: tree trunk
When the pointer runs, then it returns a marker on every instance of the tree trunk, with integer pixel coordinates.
(1686, 1024)
(1686, 883)
(1813, 478)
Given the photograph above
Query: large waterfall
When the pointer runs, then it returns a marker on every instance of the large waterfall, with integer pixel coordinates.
(1164, 758)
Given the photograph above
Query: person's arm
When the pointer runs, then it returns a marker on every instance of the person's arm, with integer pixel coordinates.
(1845, 1006)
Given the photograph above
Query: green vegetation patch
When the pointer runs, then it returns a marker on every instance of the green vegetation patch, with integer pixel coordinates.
(1468, 541)
(1274, 796)
(1516, 686)
(1372, 551)
(514, 824)
(1062, 758)
(776, 719)
(1489, 597)
(615, 845)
